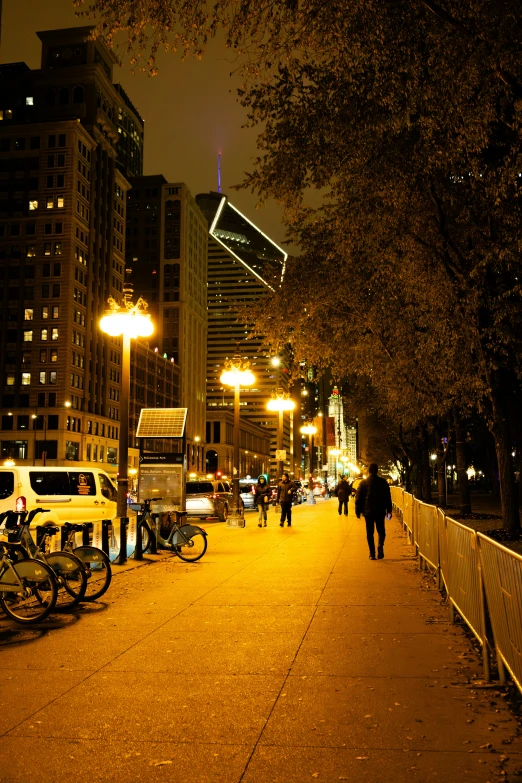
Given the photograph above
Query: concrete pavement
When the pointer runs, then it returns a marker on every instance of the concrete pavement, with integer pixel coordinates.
(284, 655)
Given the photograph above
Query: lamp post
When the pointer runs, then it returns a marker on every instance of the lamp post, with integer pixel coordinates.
(127, 321)
(35, 417)
(280, 402)
(310, 430)
(237, 373)
(335, 453)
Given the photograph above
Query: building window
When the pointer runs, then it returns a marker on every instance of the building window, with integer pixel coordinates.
(54, 333)
(26, 379)
(43, 356)
(55, 311)
(49, 202)
(44, 335)
(60, 202)
(14, 449)
(30, 251)
(52, 377)
(33, 204)
(47, 248)
(10, 380)
(29, 101)
(42, 377)
(88, 452)
(72, 450)
(28, 335)
(57, 250)
(45, 313)
(53, 354)
(28, 314)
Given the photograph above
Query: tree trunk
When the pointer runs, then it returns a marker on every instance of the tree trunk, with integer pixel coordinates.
(441, 469)
(426, 478)
(419, 493)
(407, 471)
(464, 496)
(503, 444)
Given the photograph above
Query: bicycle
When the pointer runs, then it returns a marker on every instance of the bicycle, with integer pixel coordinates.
(96, 562)
(28, 589)
(70, 572)
(188, 542)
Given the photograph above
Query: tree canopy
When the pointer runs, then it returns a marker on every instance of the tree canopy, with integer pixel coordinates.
(405, 120)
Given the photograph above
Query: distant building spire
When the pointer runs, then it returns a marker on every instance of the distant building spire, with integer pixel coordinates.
(219, 169)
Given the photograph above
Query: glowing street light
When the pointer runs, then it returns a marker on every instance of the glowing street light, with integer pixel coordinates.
(128, 321)
(280, 402)
(237, 373)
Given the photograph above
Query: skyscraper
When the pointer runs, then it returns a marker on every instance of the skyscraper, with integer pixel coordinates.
(69, 137)
(167, 250)
(243, 265)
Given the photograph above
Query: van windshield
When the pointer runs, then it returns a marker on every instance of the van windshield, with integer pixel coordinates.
(199, 487)
(6, 484)
(49, 482)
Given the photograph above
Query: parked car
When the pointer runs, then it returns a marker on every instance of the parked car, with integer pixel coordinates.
(208, 499)
(319, 490)
(81, 495)
(246, 490)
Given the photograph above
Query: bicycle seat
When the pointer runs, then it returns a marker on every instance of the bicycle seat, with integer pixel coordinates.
(48, 530)
(77, 527)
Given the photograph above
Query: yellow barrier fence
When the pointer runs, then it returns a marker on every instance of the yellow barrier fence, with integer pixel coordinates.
(502, 574)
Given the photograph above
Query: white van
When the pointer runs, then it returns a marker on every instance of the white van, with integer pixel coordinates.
(70, 494)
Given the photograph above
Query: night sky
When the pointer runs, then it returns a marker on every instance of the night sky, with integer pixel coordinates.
(190, 109)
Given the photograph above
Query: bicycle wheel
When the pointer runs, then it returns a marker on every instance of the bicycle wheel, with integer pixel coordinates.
(99, 572)
(195, 547)
(146, 537)
(71, 575)
(36, 599)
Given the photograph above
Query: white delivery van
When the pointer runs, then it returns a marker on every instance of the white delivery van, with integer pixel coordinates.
(69, 494)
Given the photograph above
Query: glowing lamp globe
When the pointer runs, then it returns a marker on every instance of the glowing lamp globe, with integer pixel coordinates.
(280, 404)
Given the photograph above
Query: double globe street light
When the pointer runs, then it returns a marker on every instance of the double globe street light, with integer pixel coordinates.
(128, 321)
(237, 374)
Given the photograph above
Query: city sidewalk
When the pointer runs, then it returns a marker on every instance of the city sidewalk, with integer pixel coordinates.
(283, 656)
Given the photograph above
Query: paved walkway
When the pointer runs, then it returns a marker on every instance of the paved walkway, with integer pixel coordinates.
(284, 656)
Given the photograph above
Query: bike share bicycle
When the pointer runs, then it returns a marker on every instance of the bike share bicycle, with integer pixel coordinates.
(70, 573)
(188, 542)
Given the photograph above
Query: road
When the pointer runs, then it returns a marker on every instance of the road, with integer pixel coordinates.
(284, 656)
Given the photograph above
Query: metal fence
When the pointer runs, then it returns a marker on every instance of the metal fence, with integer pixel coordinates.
(480, 577)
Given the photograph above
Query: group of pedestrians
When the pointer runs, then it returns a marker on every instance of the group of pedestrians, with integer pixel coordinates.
(372, 501)
(285, 497)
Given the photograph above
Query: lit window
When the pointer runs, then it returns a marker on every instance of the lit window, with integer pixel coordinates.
(44, 335)
(54, 333)
(33, 203)
(49, 203)
(52, 377)
(28, 314)
(45, 313)
(54, 354)
(28, 335)
(42, 377)
(1, 114)
(56, 311)
(26, 379)
(10, 380)
(8, 114)
(30, 251)
(47, 248)
(29, 101)
(60, 202)
(57, 249)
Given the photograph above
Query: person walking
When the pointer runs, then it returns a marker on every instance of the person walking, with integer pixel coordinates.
(285, 496)
(343, 491)
(261, 498)
(373, 501)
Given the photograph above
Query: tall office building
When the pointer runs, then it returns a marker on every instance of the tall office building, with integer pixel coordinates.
(69, 137)
(243, 264)
(167, 250)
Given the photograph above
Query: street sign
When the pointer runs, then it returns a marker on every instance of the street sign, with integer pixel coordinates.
(280, 454)
(157, 458)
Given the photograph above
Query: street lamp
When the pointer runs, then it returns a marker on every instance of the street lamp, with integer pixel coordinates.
(310, 430)
(35, 417)
(237, 373)
(127, 321)
(280, 402)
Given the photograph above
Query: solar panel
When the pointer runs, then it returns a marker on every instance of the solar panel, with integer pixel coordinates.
(161, 423)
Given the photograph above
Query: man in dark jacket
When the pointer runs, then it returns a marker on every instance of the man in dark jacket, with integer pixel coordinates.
(285, 495)
(373, 500)
(343, 491)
